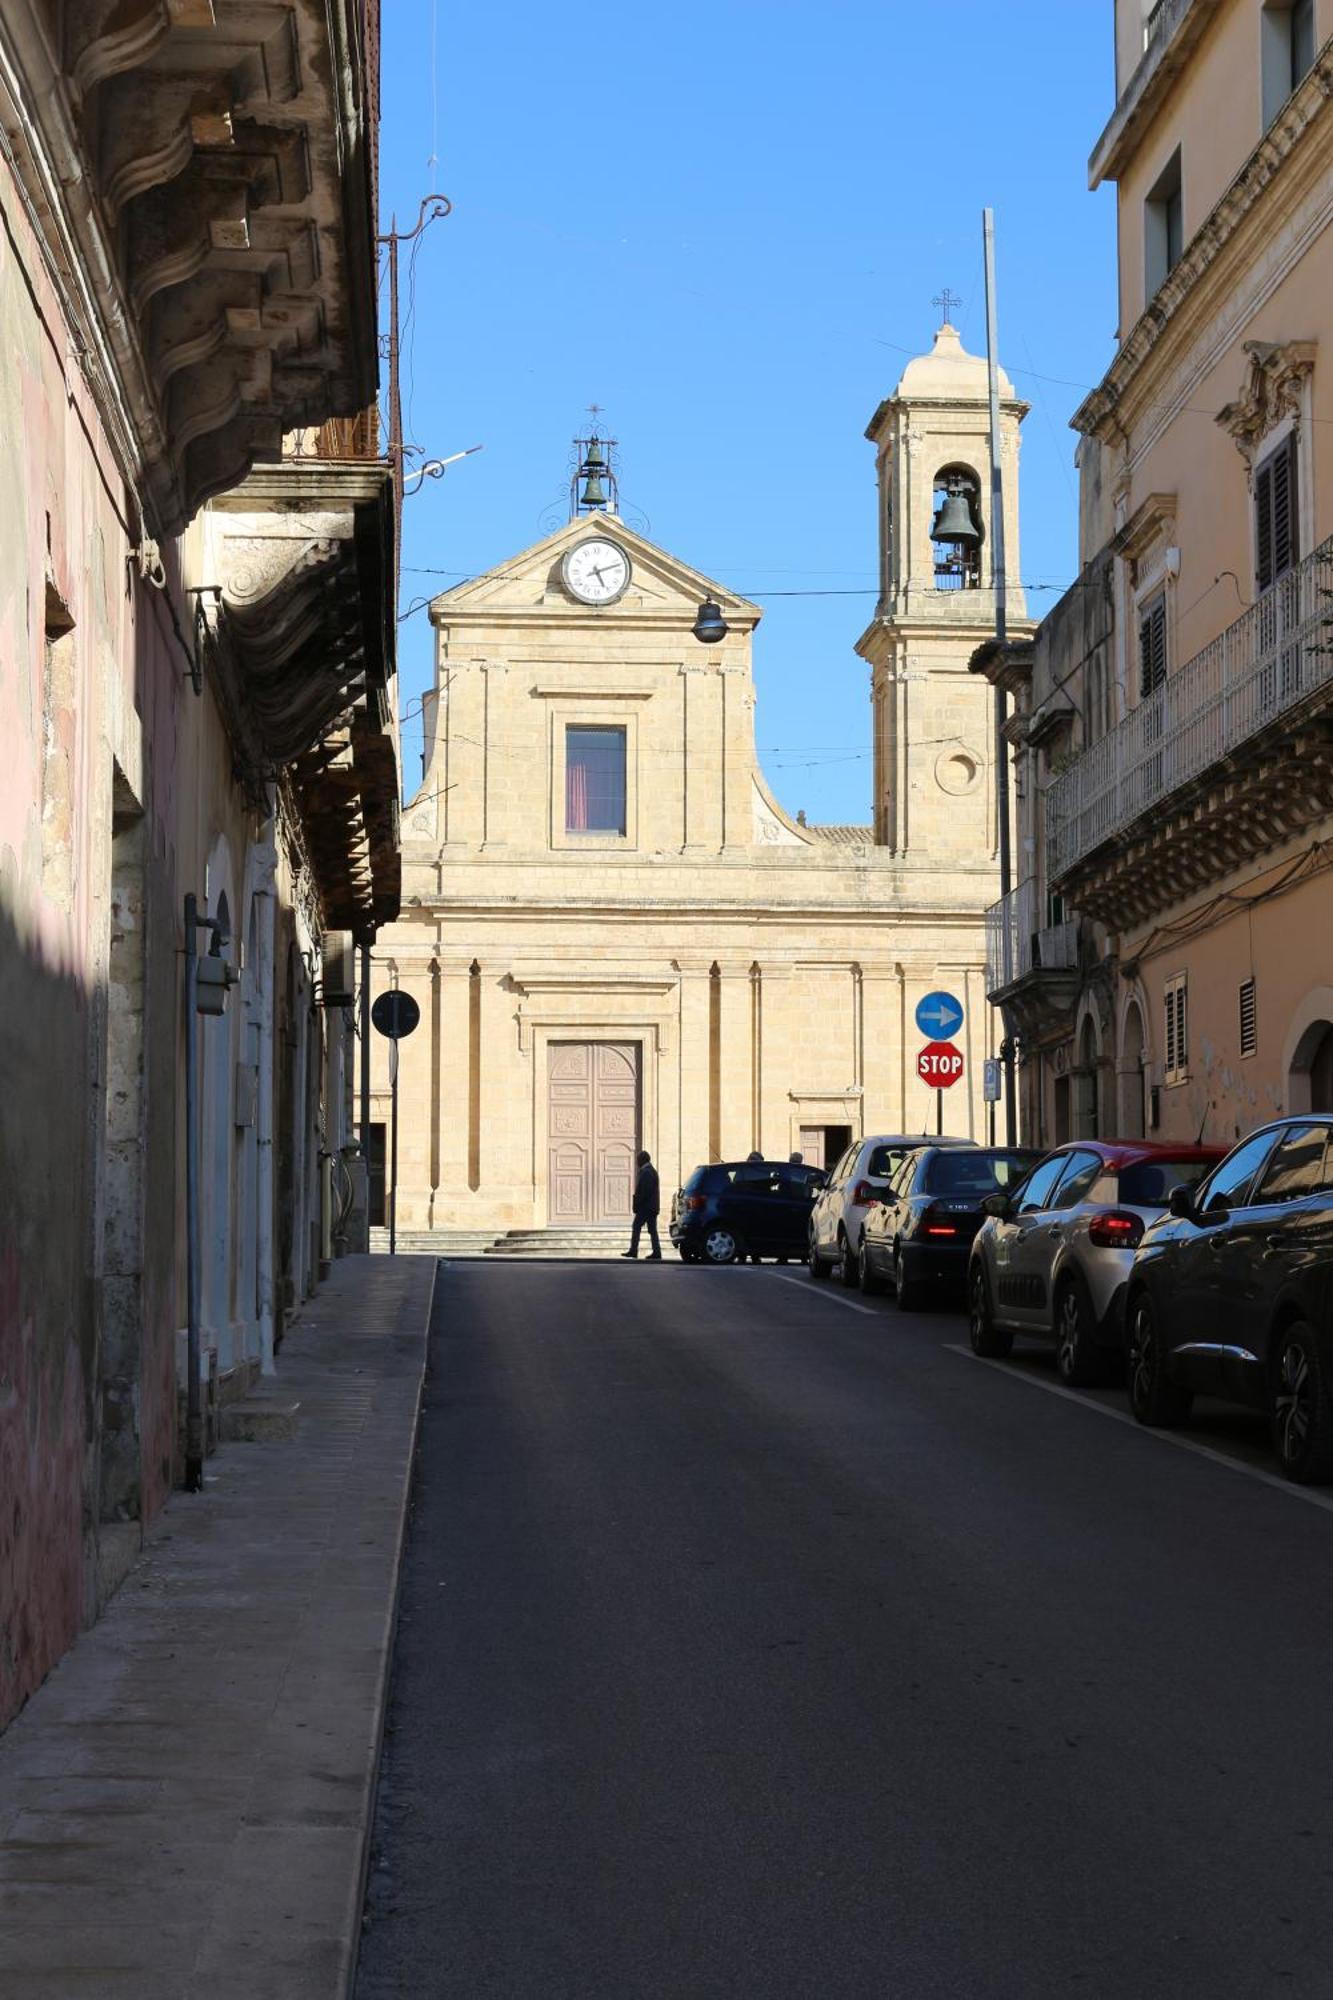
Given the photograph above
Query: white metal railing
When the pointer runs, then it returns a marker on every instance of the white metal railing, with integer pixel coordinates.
(1163, 21)
(1269, 660)
(1016, 945)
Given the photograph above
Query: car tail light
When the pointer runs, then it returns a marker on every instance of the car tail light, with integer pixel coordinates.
(1116, 1230)
(864, 1193)
(933, 1223)
(694, 1201)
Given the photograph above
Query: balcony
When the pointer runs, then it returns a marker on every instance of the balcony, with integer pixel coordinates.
(1230, 756)
(1170, 33)
(1031, 969)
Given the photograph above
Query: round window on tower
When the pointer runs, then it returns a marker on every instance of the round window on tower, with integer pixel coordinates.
(958, 771)
(957, 529)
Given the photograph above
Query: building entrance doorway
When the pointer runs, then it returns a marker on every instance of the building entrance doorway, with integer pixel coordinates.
(592, 1126)
(824, 1145)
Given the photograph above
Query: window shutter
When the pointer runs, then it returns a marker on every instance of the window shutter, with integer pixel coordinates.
(1248, 1019)
(1170, 1031)
(1285, 551)
(1263, 524)
(1275, 517)
(1152, 647)
(1182, 1027)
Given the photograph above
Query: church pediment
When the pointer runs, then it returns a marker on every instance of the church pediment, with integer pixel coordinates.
(661, 588)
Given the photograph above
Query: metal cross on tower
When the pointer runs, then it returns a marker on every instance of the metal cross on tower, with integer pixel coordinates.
(946, 301)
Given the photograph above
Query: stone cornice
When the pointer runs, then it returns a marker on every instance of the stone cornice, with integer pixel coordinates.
(1191, 288)
(1161, 63)
(198, 175)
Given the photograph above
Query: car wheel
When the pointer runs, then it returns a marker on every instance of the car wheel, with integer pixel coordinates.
(1300, 1411)
(1077, 1359)
(911, 1292)
(991, 1342)
(814, 1263)
(722, 1246)
(1153, 1397)
(871, 1282)
(848, 1267)
(688, 1256)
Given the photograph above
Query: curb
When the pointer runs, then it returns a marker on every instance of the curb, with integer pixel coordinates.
(347, 1985)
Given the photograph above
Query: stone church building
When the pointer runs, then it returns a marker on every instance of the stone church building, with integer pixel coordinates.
(615, 934)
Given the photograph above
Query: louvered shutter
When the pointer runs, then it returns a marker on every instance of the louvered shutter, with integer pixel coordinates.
(1263, 524)
(1249, 1036)
(1277, 541)
(1285, 551)
(1152, 647)
(1170, 1032)
(1182, 1027)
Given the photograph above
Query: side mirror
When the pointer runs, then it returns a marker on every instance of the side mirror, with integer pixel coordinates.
(1180, 1202)
(995, 1204)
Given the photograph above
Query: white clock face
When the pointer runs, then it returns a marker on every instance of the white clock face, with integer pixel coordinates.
(596, 572)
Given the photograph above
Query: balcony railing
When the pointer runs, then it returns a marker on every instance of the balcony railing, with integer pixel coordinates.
(341, 438)
(1275, 655)
(1016, 945)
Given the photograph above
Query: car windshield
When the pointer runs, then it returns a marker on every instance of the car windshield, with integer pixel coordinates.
(1148, 1183)
(968, 1172)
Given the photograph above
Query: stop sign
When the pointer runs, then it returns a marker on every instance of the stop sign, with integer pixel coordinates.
(939, 1064)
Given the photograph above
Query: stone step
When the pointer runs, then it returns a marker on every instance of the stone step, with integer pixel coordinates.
(258, 1420)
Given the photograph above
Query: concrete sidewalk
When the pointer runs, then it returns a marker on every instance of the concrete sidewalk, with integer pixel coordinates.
(184, 1804)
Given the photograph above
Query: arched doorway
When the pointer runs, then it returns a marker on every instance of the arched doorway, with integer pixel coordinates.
(1086, 1120)
(1129, 1074)
(1310, 1053)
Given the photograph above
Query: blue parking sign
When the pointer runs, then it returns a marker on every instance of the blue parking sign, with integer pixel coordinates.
(939, 1016)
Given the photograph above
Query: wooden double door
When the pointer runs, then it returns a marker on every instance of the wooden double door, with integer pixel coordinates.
(592, 1125)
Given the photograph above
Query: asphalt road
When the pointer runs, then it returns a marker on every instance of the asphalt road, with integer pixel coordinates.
(755, 1641)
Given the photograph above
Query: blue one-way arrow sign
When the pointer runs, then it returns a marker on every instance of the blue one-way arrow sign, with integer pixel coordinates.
(939, 1015)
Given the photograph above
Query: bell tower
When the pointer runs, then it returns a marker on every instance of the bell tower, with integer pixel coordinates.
(935, 801)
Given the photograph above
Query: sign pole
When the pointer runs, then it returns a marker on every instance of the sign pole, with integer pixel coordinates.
(939, 1114)
(393, 1170)
(999, 583)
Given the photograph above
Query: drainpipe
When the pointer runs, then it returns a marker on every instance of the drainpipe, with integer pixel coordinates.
(194, 1415)
(264, 1132)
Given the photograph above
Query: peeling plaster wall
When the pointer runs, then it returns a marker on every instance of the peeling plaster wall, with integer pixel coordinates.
(87, 687)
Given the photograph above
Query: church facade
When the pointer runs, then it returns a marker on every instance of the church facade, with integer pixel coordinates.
(615, 934)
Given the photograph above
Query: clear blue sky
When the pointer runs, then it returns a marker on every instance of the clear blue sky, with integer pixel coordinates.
(726, 223)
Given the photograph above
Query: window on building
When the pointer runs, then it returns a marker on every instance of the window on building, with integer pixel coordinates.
(1163, 227)
(1249, 1029)
(1152, 645)
(594, 780)
(1286, 51)
(1276, 546)
(1176, 1041)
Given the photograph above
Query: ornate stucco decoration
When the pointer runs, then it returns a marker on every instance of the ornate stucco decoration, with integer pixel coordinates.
(201, 174)
(1274, 385)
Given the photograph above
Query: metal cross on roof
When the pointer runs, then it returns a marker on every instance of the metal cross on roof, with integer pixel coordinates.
(946, 301)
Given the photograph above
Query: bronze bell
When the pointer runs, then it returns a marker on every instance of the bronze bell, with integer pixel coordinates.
(594, 493)
(595, 458)
(954, 521)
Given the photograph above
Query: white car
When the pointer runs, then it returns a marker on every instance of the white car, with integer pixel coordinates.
(860, 1178)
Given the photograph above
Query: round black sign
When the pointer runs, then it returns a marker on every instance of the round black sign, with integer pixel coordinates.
(395, 1014)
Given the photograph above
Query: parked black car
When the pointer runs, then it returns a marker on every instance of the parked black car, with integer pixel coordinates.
(918, 1234)
(1231, 1294)
(744, 1208)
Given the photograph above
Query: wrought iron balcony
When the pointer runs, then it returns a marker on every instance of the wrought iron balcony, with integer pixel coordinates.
(1267, 667)
(1021, 952)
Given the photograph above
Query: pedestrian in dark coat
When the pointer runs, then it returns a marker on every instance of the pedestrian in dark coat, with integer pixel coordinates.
(647, 1203)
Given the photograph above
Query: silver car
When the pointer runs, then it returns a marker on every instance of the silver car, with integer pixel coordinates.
(843, 1203)
(1052, 1259)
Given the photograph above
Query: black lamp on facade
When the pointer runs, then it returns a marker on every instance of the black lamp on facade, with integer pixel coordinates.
(710, 627)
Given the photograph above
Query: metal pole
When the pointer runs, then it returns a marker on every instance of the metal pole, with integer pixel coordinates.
(939, 1113)
(393, 1170)
(999, 580)
(194, 1415)
(365, 1061)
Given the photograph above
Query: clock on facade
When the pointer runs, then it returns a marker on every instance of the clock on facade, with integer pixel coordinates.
(596, 571)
